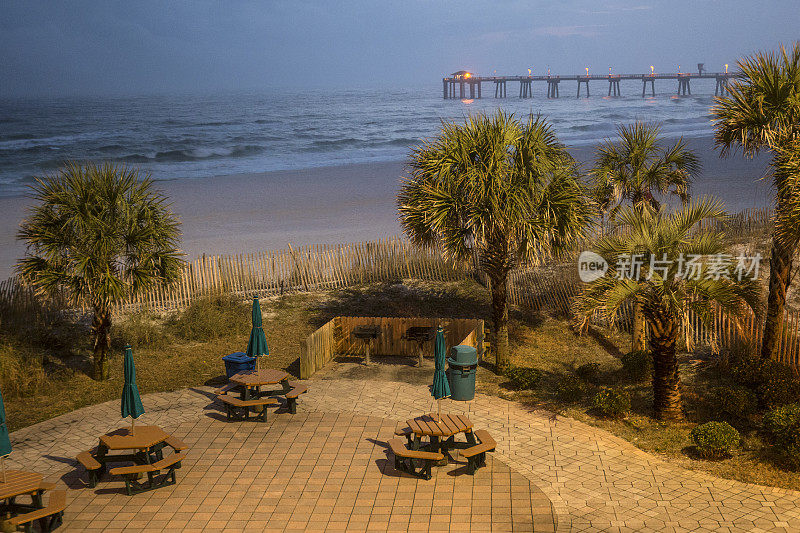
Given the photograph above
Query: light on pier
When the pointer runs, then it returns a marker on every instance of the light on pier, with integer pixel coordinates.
(587, 71)
(652, 70)
(726, 68)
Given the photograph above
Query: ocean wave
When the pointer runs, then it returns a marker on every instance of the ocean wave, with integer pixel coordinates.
(187, 155)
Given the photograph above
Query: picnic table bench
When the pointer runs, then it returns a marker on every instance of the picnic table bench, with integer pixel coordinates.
(476, 455)
(237, 409)
(131, 473)
(291, 396)
(401, 453)
(49, 517)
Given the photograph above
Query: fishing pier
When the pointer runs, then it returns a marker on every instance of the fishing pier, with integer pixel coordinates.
(464, 84)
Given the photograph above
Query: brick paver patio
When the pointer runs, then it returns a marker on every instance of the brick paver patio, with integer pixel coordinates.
(326, 468)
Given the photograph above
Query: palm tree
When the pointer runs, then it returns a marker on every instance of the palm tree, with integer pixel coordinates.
(98, 235)
(496, 190)
(681, 270)
(762, 112)
(635, 168)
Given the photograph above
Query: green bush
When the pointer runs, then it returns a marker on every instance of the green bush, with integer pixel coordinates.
(778, 385)
(738, 402)
(612, 403)
(638, 364)
(715, 439)
(589, 372)
(523, 377)
(570, 389)
(213, 317)
(782, 428)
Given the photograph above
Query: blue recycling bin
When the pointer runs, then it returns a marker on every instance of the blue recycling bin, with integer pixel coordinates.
(238, 362)
(462, 367)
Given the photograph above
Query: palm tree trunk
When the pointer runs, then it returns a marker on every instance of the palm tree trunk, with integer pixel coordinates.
(101, 331)
(666, 380)
(500, 318)
(638, 339)
(780, 273)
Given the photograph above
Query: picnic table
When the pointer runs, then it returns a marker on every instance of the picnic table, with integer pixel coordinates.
(143, 442)
(252, 381)
(19, 483)
(441, 430)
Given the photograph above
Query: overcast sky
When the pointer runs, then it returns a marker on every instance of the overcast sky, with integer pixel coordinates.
(140, 46)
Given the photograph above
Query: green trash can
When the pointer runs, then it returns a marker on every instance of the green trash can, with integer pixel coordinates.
(462, 367)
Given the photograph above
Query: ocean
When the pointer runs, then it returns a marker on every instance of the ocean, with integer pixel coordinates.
(188, 137)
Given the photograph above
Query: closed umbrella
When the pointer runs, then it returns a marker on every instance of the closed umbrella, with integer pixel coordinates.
(258, 341)
(5, 440)
(441, 387)
(131, 402)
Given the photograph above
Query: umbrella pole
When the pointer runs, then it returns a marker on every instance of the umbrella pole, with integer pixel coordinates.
(3, 462)
(132, 419)
(439, 404)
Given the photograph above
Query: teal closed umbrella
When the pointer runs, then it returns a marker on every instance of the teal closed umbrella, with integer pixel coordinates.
(258, 341)
(441, 387)
(131, 402)
(5, 440)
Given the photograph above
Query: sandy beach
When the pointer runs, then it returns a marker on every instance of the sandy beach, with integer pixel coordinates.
(265, 211)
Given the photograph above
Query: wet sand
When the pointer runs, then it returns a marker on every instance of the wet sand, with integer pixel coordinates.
(265, 211)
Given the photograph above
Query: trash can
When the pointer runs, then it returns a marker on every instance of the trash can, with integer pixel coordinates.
(238, 362)
(463, 365)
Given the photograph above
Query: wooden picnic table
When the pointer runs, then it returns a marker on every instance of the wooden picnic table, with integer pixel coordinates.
(253, 380)
(441, 431)
(144, 441)
(18, 483)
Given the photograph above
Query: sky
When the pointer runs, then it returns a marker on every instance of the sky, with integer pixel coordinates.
(204, 46)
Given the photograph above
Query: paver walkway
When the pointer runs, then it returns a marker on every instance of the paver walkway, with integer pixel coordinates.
(596, 482)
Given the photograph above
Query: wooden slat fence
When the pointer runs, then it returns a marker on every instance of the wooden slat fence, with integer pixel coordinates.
(305, 268)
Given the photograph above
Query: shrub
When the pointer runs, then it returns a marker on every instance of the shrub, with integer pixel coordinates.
(523, 377)
(612, 403)
(782, 428)
(570, 388)
(589, 372)
(638, 364)
(213, 317)
(778, 385)
(715, 439)
(738, 402)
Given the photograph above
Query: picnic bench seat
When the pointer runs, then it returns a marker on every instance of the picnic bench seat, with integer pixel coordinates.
(225, 388)
(131, 473)
(50, 517)
(401, 453)
(476, 455)
(233, 406)
(92, 466)
(291, 396)
(405, 432)
(175, 443)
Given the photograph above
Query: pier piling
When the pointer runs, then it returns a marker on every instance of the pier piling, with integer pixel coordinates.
(613, 86)
(586, 81)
